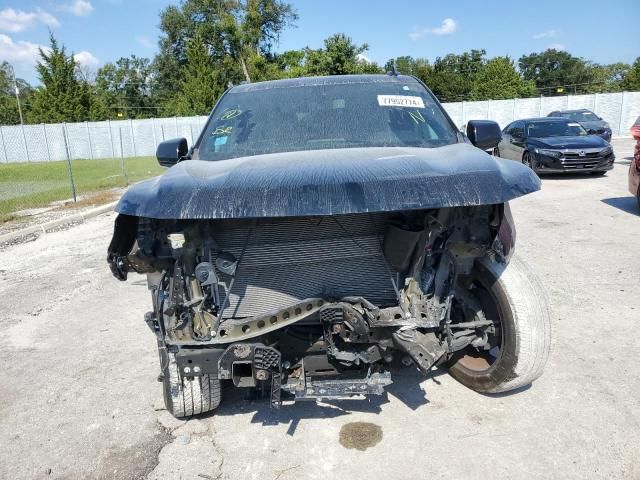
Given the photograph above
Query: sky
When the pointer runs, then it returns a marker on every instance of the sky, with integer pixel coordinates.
(101, 31)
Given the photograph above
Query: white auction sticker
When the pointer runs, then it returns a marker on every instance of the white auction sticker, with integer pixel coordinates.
(400, 101)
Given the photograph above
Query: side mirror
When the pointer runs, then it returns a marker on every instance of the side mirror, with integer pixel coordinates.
(484, 134)
(172, 151)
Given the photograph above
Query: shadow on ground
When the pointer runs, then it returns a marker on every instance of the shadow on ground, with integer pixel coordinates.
(569, 176)
(406, 387)
(626, 204)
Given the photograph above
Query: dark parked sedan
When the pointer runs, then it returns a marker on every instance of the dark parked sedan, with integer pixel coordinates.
(592, 123)
(552, 145)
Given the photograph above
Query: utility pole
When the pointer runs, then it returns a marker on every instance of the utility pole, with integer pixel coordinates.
(17, 91)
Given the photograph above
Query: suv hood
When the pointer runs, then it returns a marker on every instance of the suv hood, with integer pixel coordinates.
(329, 182)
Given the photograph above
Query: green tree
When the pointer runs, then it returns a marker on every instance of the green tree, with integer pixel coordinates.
(340, 56)
(556, 72)
(605, 78)
(631, 80)
(498, 79)
(123, 88)
(200, 86)
(452, 77)
(62, 97)
(239, 35)
(417, 67)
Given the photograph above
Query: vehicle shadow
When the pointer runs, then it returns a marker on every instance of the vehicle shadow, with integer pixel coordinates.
(567, 176)
(626, 204)
(406, 387)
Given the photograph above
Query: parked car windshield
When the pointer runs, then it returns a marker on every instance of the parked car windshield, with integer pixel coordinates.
(327, 116)
(580, 116)
(555, 129)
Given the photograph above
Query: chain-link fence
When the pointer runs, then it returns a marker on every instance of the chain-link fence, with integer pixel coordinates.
(56, 165)
(44, 164)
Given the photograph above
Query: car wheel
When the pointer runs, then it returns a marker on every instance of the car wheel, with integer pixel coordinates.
(187, 396)
(528, 161)
(496, 152)
(519, 347)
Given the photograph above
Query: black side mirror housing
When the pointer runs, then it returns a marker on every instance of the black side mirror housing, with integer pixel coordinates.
(172, 151)
(484, 134)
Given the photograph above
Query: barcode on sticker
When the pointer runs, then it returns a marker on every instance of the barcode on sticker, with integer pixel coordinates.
(400, 101)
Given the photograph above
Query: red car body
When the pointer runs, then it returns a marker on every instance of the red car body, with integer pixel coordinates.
(634, 167)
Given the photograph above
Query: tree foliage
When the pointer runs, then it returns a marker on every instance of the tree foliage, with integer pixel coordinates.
(200, 86)
(631, 80)
(552, 69)
(123, 90)
(498, 79)
(63, 97)
(340, 56)
(453, 76)
(239, 36)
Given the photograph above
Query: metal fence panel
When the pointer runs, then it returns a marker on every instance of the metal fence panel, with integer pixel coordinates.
(630, 110)
(530, 107)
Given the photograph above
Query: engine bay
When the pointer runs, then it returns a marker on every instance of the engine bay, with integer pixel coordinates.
(315, 307)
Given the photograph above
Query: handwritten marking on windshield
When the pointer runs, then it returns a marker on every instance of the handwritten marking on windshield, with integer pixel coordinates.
(222, 131)
(417, 117)
(229, 114)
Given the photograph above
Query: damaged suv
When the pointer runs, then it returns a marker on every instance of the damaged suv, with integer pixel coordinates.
(321, 230)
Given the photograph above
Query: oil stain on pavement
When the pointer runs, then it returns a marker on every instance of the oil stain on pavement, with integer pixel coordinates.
(360, 435)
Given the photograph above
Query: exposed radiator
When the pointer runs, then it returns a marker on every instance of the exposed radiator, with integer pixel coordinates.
(290, 259)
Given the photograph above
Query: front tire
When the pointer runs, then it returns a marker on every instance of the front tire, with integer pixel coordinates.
(518, 305)
(529, 161)
(187, 396)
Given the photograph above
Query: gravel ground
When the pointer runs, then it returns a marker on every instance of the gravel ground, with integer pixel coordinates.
(79, 397)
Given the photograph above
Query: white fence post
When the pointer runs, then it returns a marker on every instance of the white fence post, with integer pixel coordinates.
(24, 139)
(462, 119)
(69, 169)
(4, 146)
(46, 141)
(113, 151)
(124, 169)
(153, 132)
(133, 138)
(86, 125)
(621, 114)
(541, 105)
(175, 122)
